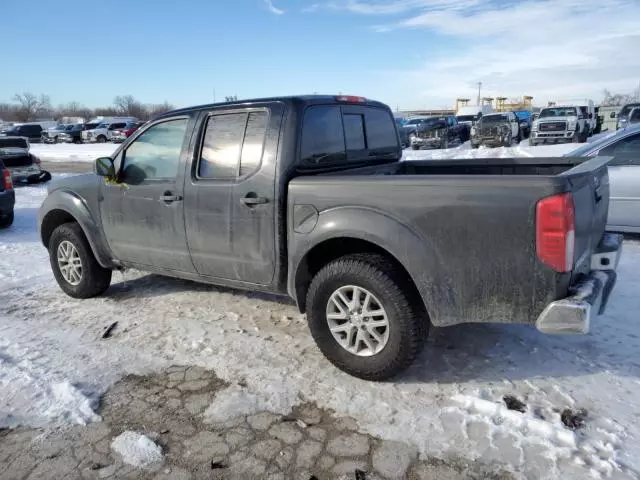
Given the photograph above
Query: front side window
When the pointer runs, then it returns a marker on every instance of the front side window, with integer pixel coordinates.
(156, 153)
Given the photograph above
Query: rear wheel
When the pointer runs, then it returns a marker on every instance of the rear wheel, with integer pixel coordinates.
(74, 266)
(6, 219)
(364, 317)
(101, 139)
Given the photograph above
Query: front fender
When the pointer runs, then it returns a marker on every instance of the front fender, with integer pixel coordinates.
(416, 253)
(57, 209)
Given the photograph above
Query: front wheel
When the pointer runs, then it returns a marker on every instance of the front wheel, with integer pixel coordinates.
(101, 139)
(365, 318)
(508, 141)
(74, 266)
(532, 143)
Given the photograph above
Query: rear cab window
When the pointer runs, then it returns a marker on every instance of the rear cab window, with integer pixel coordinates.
(341, 134)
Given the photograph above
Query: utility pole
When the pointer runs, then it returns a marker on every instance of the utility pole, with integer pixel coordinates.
(214, 95)
(479, 90)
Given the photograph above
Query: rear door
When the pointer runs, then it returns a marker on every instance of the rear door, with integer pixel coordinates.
(230, 203)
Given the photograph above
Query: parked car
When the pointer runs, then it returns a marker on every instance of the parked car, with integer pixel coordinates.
(119, 136)
(623, 114)
(438, 132)
(103, 131)
(23, 165)
(7, 196)
(309, 196)
(31, 131)
(634, 116)
(410, 127)
(624, 176)
(526, 119)
(496, 130)
(51, 135)
(559, 124)
(73, 134)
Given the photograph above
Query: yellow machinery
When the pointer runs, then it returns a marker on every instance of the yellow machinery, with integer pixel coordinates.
(503, 104)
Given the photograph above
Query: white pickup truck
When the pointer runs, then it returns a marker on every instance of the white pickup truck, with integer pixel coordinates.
(103, 132)
(560, 124)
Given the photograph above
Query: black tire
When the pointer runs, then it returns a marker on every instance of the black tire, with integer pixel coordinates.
(408, 322)
(415, 147)
(6, 220)
(531, 142)
(101, 139)
(94, 279)
(508, 142)
(577, 137)
(445, 143)
(475, 145)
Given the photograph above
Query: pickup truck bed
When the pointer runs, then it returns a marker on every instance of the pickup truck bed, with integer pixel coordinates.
(308, 196)
(467, 225)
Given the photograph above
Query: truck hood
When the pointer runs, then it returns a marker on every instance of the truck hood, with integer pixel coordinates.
(557, 119)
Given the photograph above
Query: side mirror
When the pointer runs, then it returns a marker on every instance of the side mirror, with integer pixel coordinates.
(612, 115)
(105, 167)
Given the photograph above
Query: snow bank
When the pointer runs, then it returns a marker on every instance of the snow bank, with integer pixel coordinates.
(465, 151)
(63, 152)
(137, 450)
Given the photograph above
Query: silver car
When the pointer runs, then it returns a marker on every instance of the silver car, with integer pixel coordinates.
(624, 175)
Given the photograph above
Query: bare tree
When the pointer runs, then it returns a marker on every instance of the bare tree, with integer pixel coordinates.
(613, 99)
(128, 105)
(157, 109)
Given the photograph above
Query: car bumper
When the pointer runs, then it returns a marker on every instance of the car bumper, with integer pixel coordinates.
(589, 296)
(21, 174)
(427, 142)
(489, 141)
(7, 201)
(553, 137)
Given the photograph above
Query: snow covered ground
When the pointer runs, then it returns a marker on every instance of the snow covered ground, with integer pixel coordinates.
(54, 365)
(69, 152)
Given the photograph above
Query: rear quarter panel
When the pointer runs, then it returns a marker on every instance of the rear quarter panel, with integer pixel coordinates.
(467, 242)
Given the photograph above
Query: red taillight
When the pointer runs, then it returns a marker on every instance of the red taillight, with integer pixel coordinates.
(129, 131)
(555, 231)
(351, 99)
(6, 179)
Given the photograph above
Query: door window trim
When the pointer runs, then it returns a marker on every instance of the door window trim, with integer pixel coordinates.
(122, 155)
(202, 130)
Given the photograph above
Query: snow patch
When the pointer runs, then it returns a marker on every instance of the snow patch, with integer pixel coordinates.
(236, 401)
(62, 152)
(137, 450)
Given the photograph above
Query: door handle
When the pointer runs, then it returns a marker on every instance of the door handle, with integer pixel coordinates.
(251, 200)
(168, 197)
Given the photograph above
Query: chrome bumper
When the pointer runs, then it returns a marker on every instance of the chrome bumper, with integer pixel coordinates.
(589, 296)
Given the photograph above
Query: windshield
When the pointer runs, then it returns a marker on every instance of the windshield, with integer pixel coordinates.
(434, 122)
(627, 108)
(558, 112)
(103, 125)
(60, 128)
(494, 119)
(13, 143)
(467, 118)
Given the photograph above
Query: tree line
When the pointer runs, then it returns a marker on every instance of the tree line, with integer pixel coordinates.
(27, 106)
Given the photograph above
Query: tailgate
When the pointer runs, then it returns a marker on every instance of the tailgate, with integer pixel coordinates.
(589, 184)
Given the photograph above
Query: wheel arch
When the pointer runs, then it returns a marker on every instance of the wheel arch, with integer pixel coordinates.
(64, 207)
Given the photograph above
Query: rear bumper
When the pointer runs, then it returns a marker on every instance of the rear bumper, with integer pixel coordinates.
(589, 296)
(7, 201)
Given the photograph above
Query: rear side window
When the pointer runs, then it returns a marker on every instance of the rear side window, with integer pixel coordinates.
(233, 145)
(381, 133)
(331, 136)
(323, 136)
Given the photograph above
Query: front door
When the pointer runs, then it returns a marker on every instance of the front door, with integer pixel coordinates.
(230, 194)
(143, 217)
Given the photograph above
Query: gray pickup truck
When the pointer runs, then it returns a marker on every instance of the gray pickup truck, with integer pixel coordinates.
(308, 196)
(7, 196)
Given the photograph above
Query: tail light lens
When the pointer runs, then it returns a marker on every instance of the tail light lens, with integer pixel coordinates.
(6, 179)
(351, 99)
(555, 231)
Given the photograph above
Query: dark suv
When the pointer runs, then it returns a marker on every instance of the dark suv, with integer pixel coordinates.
(32, 131)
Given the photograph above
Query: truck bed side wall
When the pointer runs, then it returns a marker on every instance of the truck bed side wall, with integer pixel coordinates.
(468, 242)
